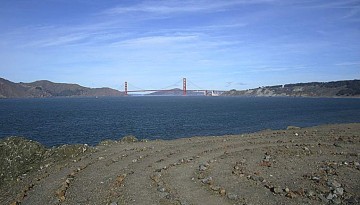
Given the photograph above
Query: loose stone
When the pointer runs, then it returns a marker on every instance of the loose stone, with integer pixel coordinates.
(336, 201)
(339, 191)
(161, 189)
(222, 192)
(202, 167)
(291, 195)
(232, 196)
(156, 177)
(330, 196)
(334, 184)
(214, 188)
(277, 190)
(207, 180)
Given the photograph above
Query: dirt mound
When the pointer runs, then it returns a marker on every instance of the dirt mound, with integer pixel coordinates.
(19, 156)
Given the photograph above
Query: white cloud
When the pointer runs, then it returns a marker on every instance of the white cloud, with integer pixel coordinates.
(59, 40)
(177, 6)
(156, 40)
(348, 64)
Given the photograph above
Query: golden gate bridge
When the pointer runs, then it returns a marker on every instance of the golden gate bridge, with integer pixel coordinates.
(184, 90)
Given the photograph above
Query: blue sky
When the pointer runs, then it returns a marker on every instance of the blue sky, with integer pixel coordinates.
(215, 44)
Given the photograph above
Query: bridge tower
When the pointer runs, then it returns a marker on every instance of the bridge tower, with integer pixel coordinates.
(184, 86)
(126, 88)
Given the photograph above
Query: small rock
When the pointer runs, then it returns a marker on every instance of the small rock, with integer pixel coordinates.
(113, 203)
(254, 178)
(267, 158)
(120, 179)
(164, 194)
(339, 191)
(161, 189)
(330, 196)
(277, 190)
(156, 177)
(316, 179)
(202, 167)
(310, 193)
(201, 175)
(334, 184)
(287, 190)
(261, 179)
(62, 198)
(207, 180)
(72, 174)
(232, 196)
(337, 201)
(322, 198)
(222, 192)
(291, 195)
(214, 188)
(183, 202)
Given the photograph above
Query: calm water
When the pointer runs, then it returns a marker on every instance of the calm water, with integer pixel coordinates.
(57, 121)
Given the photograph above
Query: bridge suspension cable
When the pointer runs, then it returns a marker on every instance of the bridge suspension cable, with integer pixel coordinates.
(173, 85)
(133, 86)
(198, 87)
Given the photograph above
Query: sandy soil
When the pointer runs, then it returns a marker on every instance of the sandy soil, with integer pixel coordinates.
(318, 165)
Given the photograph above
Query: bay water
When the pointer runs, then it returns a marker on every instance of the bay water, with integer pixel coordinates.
(56, 121)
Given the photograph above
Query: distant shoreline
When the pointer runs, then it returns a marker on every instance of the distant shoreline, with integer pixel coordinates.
(45, 88)
(129, 96)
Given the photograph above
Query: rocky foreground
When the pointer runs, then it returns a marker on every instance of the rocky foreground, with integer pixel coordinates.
(318, 165)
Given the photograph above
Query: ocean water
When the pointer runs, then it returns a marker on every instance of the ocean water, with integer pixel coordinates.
(56, 121)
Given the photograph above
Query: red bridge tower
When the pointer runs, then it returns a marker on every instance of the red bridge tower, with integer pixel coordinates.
(184, 86)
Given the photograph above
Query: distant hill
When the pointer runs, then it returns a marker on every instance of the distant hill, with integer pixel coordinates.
(346, 88)
(44, 88)
(176, 92)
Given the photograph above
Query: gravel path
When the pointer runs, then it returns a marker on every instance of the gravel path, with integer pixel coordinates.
(318, 165)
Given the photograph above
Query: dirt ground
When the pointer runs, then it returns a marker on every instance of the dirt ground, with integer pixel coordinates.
(317, 165)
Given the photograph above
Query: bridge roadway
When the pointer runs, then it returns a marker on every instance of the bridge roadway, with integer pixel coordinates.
(171, 90)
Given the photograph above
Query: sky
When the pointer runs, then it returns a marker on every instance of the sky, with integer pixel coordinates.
(153, 44)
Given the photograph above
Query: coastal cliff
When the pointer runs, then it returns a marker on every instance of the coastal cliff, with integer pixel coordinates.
(347, 88)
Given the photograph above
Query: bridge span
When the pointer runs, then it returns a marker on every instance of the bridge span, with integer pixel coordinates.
(184, 90)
